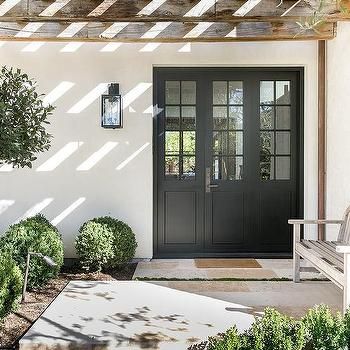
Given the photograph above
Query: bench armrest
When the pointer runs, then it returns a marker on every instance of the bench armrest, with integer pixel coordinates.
(343, 248)
(314, 222)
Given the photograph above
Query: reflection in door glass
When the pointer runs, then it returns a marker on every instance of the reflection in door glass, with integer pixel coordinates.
(172, 117)
(172, 142)
(228, 120)
(275, 130)
(267, 167)
(172, 92)
(228, 168)
(180, 130)
(267, 92)
(235, 92)
(188, 92)
(188, 117)
(220, 118)
(189, 142)
(172, 167)
(189, 167)
(282, 92)
(220, 92)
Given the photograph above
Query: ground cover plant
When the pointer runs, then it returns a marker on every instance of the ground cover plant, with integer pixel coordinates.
(319, 329)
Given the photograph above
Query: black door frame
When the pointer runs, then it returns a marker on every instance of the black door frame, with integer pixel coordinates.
(300, 148)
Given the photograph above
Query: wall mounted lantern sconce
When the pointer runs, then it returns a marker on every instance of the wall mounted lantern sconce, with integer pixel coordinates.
(111, 111)
(45, 258)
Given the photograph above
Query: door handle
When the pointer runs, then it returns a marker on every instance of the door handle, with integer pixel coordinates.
(208, 185)
(213, 185)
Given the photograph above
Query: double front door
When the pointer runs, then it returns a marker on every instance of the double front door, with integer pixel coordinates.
(227, 161)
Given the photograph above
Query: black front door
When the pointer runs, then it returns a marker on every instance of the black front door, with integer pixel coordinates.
(227, 161)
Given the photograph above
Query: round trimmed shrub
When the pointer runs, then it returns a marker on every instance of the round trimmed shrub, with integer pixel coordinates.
(105, 243)
(35, 234)
(10, 284)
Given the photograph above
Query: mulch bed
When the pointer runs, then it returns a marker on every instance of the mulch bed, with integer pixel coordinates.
(17, 323)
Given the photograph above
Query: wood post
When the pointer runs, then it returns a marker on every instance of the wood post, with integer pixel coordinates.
(321, 136)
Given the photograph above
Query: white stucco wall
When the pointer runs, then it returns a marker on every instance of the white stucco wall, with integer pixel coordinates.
(127, 193)
(338, 125)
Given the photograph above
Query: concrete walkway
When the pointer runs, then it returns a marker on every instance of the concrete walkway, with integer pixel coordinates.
(186, 269)
(163, 315)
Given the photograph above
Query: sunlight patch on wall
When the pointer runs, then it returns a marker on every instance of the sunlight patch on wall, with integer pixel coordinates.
(66, 151)
(5, 204)
(199, 29)
(72, 47)
(150, 47)
(33, 47)
(186, 48)
(2, 43)
(202, 7)
(148, 110)
(102, 8)
(69, 32)
(54, 8)
(57, 92)
(36, 209)
(134, 155)
(151, 7)
(88, 99)
(154, 110)
(111, 47)
(7, 5)
(6, 168)
(97, 156)
(59, 218)
(134, 93)
(246, 7)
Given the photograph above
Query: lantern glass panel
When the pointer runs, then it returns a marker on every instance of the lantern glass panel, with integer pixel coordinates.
(111, 111)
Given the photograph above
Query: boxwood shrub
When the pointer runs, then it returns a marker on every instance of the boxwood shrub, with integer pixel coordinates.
(10, 284)
(105, 243)
(325, 331)
(35, 234)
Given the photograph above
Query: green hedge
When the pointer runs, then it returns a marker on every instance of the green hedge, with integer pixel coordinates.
(318, 330)
(105, 243)
(35, 234)
(10, 284)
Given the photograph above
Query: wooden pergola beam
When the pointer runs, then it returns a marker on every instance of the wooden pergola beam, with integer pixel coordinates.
(169, 10)
(172, 32)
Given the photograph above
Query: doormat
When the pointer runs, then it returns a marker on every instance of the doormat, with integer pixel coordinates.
(226, 263)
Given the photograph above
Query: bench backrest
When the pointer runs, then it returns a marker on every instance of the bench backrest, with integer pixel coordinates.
(344, 232)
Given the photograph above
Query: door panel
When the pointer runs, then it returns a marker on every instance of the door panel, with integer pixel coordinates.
(227, 224)
(228, 151)
(272, 218)
(180, 218)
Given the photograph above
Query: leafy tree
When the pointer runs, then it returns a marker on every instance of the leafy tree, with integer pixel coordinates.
(22, 119)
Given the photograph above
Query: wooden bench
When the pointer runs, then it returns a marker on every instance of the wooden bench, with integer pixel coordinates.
(331, 258)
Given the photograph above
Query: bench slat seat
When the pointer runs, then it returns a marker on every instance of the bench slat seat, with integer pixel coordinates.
(325, 253)
(331, 258)
(328, 269)
(331, 250)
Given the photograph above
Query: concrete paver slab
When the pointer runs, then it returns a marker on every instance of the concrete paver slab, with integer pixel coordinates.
(130, 315)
